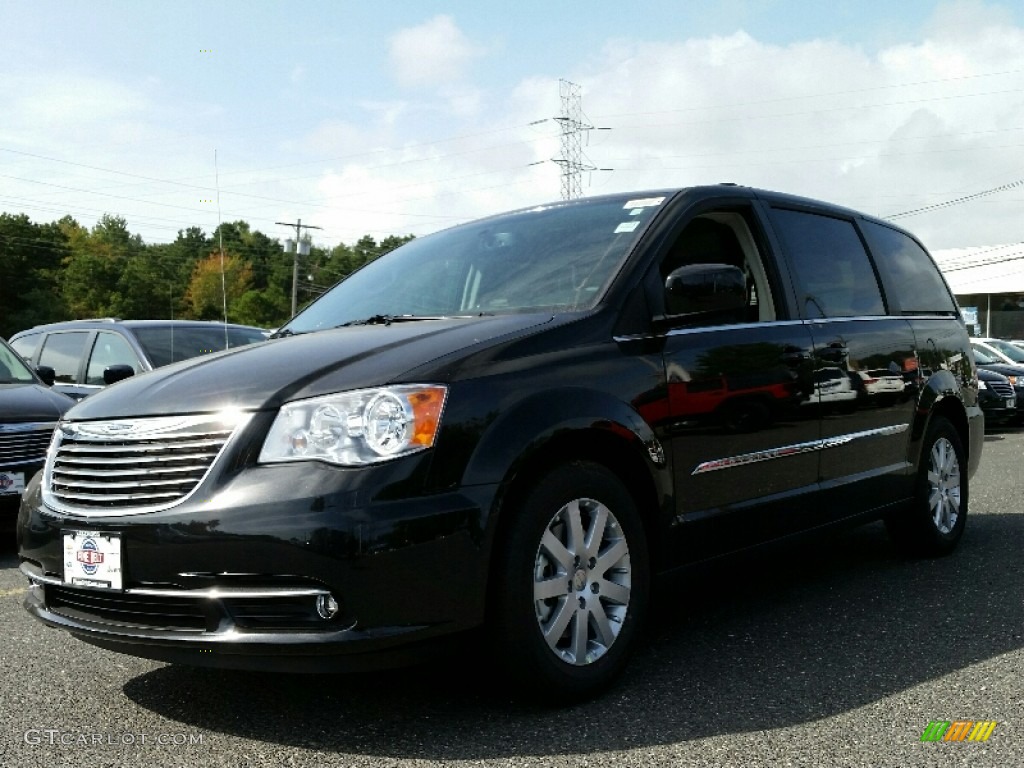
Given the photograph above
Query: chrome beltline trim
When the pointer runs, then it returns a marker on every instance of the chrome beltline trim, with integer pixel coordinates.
(706, 329)
(774, 324)
(213, 593)
(730, 462)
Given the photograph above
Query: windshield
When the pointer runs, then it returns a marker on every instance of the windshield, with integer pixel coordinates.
(166, 344)
(12, 368)
(558, 257)
(1012, 351)
(981, 357)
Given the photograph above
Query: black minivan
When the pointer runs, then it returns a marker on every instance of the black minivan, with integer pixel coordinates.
(512, 426)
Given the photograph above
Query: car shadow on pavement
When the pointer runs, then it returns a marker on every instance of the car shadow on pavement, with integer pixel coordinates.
(756, 643)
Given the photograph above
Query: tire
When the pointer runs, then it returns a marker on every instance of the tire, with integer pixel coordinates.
(572, 585)
(934, 524)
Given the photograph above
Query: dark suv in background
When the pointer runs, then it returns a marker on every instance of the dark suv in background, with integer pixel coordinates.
(511, 427)
(86, 355)
(29, 412)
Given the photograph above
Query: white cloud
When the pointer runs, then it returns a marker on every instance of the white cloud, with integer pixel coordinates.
(884, 130)
(70, 101)
(434, 53)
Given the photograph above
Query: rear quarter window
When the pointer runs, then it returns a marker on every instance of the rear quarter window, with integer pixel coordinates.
(26, 345)
(913, 276)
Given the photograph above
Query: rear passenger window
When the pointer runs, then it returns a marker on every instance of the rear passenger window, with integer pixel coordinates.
(833, 273)
(914, 276)
(63, 352)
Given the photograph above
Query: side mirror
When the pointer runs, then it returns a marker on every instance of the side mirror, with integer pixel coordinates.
(47, 374)
(115, 373)
(703, 288)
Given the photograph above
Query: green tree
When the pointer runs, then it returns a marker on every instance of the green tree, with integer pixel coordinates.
(208, 288)
(30, 261)
(94, 265)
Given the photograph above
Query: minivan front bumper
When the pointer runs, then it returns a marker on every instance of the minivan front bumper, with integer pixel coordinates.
(297, 573)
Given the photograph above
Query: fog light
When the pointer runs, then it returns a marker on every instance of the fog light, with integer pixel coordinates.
(326, 606)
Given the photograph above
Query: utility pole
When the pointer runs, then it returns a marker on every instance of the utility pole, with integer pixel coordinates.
(297, 248)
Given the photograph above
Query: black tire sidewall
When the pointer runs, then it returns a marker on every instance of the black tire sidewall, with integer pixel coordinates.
(943, 542)
(530, 664)
(915, 532)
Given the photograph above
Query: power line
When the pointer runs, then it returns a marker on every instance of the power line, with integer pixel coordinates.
(958, 200)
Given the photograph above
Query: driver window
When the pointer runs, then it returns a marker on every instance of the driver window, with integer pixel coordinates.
(109, 349)
(723, 238)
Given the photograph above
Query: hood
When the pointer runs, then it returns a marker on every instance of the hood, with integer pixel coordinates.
(265, 375)
(987, 375)
(24, 403)
(1003, 368)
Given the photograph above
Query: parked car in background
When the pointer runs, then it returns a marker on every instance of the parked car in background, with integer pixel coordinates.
(87, 355)
(29, 411)
(833, 388)
(997, 397)
(1014, 373)
(1001, 350)
(465, 437)
(883, 384)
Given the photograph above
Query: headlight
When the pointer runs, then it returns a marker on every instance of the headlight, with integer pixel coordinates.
(359, 427)
(981, 385)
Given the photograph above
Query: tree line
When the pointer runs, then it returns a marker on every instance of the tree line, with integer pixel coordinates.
(65, 271)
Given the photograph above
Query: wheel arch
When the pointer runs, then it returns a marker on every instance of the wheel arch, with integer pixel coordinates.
(938, 399)
(572, 426)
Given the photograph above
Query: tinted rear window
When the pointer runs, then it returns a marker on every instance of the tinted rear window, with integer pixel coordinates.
(915, 279)
(168, 344)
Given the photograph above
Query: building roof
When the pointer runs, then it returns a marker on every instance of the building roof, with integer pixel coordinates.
(983, 269)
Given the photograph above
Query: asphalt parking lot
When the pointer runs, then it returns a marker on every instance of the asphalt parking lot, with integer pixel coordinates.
(830, 653)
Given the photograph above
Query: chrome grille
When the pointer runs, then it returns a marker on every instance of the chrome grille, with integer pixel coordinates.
(24, 443)
(138, 465)
(1001, 389)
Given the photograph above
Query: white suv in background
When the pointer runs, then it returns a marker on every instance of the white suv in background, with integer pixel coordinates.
(1003, 351)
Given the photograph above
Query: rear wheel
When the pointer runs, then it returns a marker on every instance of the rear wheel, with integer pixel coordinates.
(935, 523)
(573, 584)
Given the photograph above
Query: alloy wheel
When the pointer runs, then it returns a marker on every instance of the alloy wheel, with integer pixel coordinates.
(944, 485)
(582, 581)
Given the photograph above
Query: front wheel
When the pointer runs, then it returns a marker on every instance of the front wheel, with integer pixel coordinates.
(935, 523)
(573, 583)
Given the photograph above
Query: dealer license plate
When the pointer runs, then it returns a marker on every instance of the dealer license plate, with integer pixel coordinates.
(92, 559)
(12, 483)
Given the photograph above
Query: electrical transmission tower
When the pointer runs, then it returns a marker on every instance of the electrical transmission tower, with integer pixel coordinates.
(571, 121)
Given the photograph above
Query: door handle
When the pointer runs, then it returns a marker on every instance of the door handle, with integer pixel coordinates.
(836, 352)
(794, 357)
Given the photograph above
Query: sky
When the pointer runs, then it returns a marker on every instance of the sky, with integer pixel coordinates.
(408, 116)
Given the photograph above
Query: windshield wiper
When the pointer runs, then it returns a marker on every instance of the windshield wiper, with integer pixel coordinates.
(388, 320)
